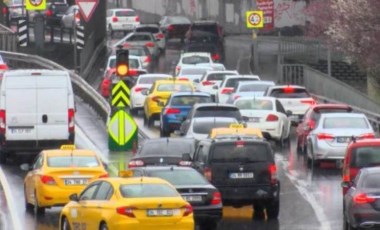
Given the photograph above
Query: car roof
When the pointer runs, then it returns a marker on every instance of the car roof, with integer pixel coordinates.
(205, 22)
(174, 81)
(152, 75)
(255, 98)
(324, 115)
(286, 86)
(190, 93)
(170, 139)
(189, 54)
(199, 105)
(365, 142)
(136, 180)
(121, 9)
(206, 67)
(243, 76)
(370, 170)
(256, 83)
(316, 107)
(76, 152)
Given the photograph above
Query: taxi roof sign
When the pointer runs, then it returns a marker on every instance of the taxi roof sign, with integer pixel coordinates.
(67, 147)
(35, 4)
(237, 126)
(126, 173)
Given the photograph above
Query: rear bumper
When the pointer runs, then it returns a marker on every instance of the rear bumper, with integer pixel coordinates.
(208, 213)
(323, 151)
(365, 218)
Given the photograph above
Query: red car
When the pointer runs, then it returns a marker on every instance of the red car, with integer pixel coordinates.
(359, 154)
(310, 119)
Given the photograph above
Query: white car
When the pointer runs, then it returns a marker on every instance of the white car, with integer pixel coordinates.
(193, 73)
(267, 114)
(193, 59)
(229, 84)
(71, 17)
(144, 81)
(294, 98)
(134, 62)
(157, 33)
(250, 88)
(211, 78)
(121, 20)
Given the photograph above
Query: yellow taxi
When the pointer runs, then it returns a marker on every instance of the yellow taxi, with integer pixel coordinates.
(55, 174)
(139, 203)
(235, 129)
(158, 95)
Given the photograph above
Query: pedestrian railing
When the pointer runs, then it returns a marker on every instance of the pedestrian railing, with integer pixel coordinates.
(8, 39)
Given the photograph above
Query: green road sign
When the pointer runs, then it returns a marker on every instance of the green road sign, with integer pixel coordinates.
(122, 131)
(120, 95)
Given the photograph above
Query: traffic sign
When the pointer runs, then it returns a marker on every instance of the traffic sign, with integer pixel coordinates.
(254, 19)
(87, 8)
(35, 4)
(122, 131)
(121, 95)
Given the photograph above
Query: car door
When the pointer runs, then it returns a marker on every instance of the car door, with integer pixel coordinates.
(303, 127)
(33, 177)
(284, 118)
(86, 207)
(201, 157)
(100, 206)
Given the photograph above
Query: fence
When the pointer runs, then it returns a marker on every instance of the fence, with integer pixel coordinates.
(8, 39)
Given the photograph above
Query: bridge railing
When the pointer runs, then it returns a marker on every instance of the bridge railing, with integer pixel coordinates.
(8, 39)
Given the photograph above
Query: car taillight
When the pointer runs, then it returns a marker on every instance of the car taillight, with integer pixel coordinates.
(115, 19)
(325, 136)
(104, 175)
(77, 17)
(185, 163)
(148, 59)
(47, 180)
(188, 210)
(272, 117)
(236, 97)
(71, 120)
(171, 111)
(133, 72)
(149, 44)
(367, 136)
(363, 198)
(308, 101)
(138, 89)
(3, 67)
(137, 19)
(346, 174)
(135, 163)
(5, 10)
(207, 174)
(273, 173)
(205, 83)
(127, 211)
(227, 90)
(312, 124)
(160, 36)
(156, 98)
(288, 89)
(215, 57)
(216, 198)
(2, 121)
(177, 69)
(170, 27)
(49, 13)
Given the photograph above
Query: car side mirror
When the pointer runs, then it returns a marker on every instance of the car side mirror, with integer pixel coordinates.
(289, 113)
(25, 167)
(346, 184)
(74, 197)
(215, 87)
(145, 92)
(186, 157)
(160, 103)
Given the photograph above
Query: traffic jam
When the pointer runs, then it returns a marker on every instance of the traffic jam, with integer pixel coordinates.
(223, 148)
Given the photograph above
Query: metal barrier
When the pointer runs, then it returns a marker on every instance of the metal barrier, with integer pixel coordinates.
(8, 39)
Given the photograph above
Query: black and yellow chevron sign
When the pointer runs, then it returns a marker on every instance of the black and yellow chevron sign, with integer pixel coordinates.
(121, 95)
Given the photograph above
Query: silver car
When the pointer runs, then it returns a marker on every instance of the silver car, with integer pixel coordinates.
(333, 132)
(141, 39)
(71, 17)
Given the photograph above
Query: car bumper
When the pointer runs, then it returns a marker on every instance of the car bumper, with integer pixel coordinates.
(186, 223)
(207, 213)
(49, 196)
(365, 217)
(123, 26)
(273, 129)
(323, 151)
(137, 102)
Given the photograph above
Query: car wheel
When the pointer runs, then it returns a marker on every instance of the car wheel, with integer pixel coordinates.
(103, 226)
(258, 211)
(28, 207)
(280, 143)
(273, 209)
(65, 224)
(37, 209)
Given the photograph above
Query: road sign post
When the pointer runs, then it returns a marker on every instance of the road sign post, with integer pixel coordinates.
(87, 8)
(255, 20)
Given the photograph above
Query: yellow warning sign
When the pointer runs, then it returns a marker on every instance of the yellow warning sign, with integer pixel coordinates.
(121, 95)
(254, 19)
(35, 4)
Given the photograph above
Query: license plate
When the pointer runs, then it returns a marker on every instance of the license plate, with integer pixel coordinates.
(127, 26)
(242, 175)
(254, 119)
(162, 212)
(343, 139)
(76, 181)
(20, 131)
(294, 118)
(192, 198)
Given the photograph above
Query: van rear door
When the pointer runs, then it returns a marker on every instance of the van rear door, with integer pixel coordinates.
(52, 107)
(20, 108)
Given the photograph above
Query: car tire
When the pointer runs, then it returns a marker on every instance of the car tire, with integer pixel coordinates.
(37, 209)
(273, 209)
(65, 225)
(258, 211)
(28, 206)
(103, 226)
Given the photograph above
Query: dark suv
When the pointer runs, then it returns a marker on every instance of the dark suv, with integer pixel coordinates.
(243, 170)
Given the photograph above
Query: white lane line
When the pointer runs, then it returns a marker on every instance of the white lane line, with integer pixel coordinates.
(16, 221)
(305, 193)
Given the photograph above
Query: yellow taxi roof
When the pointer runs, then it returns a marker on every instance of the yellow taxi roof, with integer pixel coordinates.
(136, 180)
(173, 81)
(240, 131)
(76, 152)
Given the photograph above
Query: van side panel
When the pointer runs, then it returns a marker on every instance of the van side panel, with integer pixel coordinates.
(20, 107)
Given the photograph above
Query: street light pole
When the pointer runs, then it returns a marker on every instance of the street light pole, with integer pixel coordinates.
(75, 41)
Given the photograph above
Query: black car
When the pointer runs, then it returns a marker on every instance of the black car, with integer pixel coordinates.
(361, 203)
(55, 9)
(205, 45)
(194, 188)
(164, 151)
(174, 26)
(244, 171)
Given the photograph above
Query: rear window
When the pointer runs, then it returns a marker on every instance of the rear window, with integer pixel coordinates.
(345, 123)
(75, 161)
(140, 37)
(233, 82)
(217, 76)
(365, 157)
(179, 20)
(240, 152)
(289, 93)
(194, 71)
(204, 127)
(218, 111)
(253, 88)
(174, 87)
(189, 100)
(193, 60)
(167, 148)
(371, 181)
(257, 104)
(317, 114)
(150, 80)
(137, 52)
(147, 190)
(211, 28)
(176, 177)
(152, 30)
(125, 13)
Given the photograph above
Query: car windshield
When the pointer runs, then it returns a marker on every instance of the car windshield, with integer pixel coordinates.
(345, 123)
(176, 177)
(218, 111)
(240, 151)
(137, 52)
(255, 104)
(172, 148)
(289, 93)
(171, 87)
(365, 156)
(75, 161)
(147, 190)
(317, 114)
(205, 127)
(195, 71)
(189, 100)
(196, 59)
(253, 88)
(371, 181)
(152, 30)
(233, 82)
(125, 13)
(150, 80)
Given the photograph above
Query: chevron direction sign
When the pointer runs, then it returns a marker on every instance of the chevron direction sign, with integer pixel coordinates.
(120, 95)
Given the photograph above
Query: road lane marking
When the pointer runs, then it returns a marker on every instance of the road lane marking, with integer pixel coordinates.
(16, 221)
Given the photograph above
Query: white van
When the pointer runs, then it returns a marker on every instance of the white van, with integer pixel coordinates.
(36, 111)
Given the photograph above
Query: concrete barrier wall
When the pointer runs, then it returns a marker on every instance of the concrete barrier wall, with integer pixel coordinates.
(229, 13)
